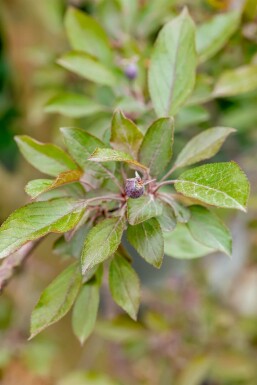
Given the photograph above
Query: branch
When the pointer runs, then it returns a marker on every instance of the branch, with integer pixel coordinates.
(12, 263)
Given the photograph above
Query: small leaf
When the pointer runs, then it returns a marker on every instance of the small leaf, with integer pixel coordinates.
(85, 311)
(47, 158)
(108, 155)
(124, 285)
(102, 241)
(214, 34)
(209, 230)
(39, 186)
(217, 184)
(173, 63)
(56, 300)
(167, 219)
(88, 67)
(147, 239)
(181, 212)
(156, 149)
(80, 145)
(203, 146)
(37, 219)
(180, 244)
(143, 208)
(237, 81)
(125, 135)
(73, 105)
(85, 34)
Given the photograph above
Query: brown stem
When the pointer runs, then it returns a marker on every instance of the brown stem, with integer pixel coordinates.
(12, 263)
(158, 185)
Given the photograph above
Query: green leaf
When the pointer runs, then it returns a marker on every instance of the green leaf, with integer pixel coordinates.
(203, 146)
(88, 67)
(180, 244)
(125, 135)
(237, 81)
(147, 239)
(102, 241)
(81, 145)
(37, 219)
(124, 285)
(143, 208)
(85, 311)
(173, 63)
(39, 186)
(108, 155)
(181, 212)
(73, 105)
(72, 247)
(215, 33)
(47, 158)
(217, 184)
(56, 300)
(156, 149)
(209, 230)
(85, 34)
(167, 219)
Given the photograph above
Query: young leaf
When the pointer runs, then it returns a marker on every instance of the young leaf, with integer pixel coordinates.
(214, 34)
(125, 135)
(73, 105)
(80, 145)
(167, 219)
(108, 155)
(124, 285)
(56, 300)
(85, 311)
(173, 63)
(203, 146)
(85, 34)
(37, 219)
(88, 67)
(180, 244)
(217, 184)
(102, 241)
(39, 186)
(47, 158)
(237, 81)
(209, 230)
(156, 149)
(147, 239)
(143, 208)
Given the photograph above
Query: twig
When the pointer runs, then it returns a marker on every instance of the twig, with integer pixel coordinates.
(12, 263)
(169, 173)
(158, 185)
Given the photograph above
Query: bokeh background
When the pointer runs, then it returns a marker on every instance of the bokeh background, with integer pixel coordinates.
(198, 319)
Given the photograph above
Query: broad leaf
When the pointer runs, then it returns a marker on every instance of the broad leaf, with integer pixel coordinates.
(73, 105)
(85, 34)
(218, 184)
(203, 146)
(108, 155)
(147, 239)
(173, 63)
(102, 241)
(181, 244)
(85, 311)
(209, 230)
(80, 145)
(237, 81)
(125, 135)
(143, 208)
(39, 186)
(156, 149)
(88, 67)
(124, 285)
(167, 219)
(37, 219)
(47, 158)
(214, 34)
(56, 300)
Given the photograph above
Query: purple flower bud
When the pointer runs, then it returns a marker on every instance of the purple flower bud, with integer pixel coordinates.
(134, 188)
(131, 71)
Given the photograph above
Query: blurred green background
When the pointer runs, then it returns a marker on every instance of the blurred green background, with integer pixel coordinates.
(198, 319)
